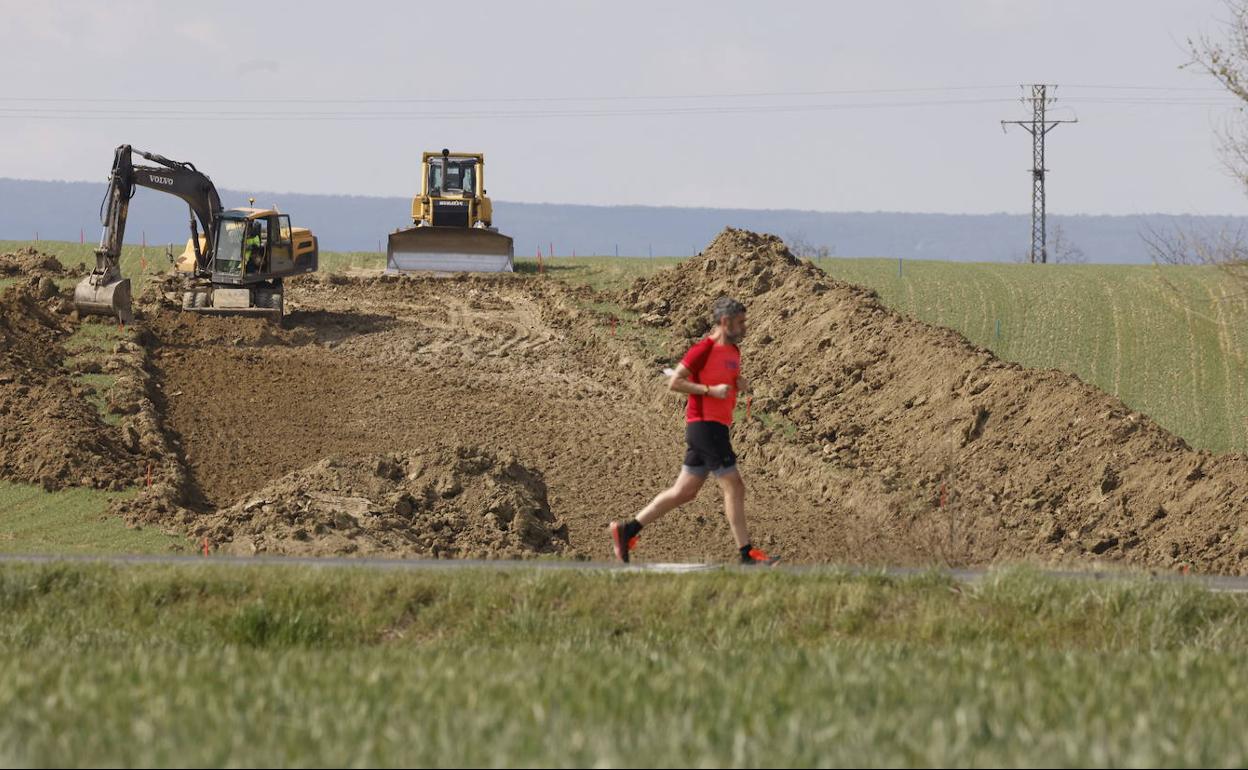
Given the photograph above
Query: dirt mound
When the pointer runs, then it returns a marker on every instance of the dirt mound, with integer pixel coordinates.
(28, 261)
(456, 502)
(49, 432)
(922, 446)
(178, 329)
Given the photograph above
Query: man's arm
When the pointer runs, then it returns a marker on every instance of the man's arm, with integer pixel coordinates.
(681, 383)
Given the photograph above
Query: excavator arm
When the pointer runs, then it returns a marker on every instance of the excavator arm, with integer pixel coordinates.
(105, 291)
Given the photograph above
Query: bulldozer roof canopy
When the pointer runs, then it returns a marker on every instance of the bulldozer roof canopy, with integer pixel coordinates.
(428, 156)
(249, 213)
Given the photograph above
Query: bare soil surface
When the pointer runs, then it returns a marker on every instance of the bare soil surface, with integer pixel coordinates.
(503, 416)
(509, 365)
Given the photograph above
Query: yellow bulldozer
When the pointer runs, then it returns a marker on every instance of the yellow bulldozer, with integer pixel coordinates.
(453, 228)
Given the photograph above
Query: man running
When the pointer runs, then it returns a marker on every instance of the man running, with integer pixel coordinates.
(710, 373)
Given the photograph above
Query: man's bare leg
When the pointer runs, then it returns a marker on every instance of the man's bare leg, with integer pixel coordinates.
(682, 491)
(733, 487)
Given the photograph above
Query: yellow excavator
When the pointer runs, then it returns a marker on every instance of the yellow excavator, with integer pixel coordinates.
(234, 261)
(452, 218)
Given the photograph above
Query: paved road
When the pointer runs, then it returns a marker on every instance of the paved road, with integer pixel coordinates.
(1220, 583)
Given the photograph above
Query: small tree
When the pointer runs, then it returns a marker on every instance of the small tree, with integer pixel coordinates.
(1227, 61)
(804, 249)
(1063, 250)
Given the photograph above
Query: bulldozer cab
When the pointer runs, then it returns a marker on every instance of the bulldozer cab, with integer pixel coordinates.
(452, 176)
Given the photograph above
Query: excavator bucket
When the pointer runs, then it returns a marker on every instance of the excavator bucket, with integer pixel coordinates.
(104, 294)
(449, 249)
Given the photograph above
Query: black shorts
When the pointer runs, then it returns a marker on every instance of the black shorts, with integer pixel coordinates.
(709, 450)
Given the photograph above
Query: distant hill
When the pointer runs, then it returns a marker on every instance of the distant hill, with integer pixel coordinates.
(61, 210)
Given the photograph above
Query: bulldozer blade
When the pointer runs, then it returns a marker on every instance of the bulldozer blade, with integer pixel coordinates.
(449, 249)
(93, 296)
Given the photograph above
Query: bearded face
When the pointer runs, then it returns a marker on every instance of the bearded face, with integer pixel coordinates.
(734, 328)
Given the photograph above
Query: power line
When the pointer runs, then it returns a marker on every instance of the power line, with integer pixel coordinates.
(512, 99)
(110, 113)
(126, 114)
(1039, 126)
(571, 98)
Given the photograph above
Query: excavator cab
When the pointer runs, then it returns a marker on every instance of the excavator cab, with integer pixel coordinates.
(243, 246)
(228, 261)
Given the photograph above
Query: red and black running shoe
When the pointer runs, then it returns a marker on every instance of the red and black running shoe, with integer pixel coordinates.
(622, 546)
(757, 557)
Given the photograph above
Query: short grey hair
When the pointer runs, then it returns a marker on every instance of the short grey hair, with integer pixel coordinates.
(726, 307)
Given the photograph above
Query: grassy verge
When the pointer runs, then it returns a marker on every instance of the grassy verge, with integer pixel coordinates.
(342, 261)
(71, 521)
(599, 273)
(138, 263)
(288, 666)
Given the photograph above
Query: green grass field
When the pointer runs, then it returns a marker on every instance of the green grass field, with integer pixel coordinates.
(72, 521)
(277, 666)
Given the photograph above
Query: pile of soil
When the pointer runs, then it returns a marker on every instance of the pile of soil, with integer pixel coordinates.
(50, 434)
(29, 261)
(178, 329)
(457, 502)
(922, 446)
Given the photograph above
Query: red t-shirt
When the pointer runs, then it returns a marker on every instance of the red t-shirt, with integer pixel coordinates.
(712, 364)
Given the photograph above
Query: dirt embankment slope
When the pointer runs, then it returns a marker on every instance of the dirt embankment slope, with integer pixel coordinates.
(50, 433)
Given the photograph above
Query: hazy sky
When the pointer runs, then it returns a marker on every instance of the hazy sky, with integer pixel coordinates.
(723, 104)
